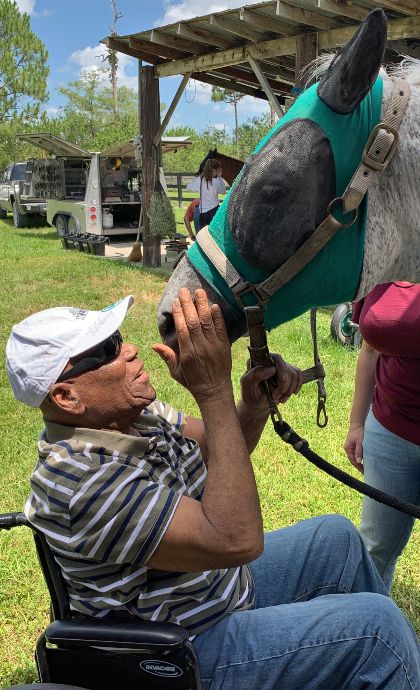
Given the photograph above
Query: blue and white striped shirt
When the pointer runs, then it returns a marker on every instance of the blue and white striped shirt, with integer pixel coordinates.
(104, 501)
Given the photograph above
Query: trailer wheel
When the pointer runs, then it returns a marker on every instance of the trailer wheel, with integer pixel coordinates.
(341, 329)
(3, 214)
(61, 225)
(19, 219)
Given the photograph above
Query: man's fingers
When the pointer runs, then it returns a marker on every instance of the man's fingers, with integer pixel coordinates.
(180, 323)
(192, 320)
(203, 311)
(167, 354)
(219, 322)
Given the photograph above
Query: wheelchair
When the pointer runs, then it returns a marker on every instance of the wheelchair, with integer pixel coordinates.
(80, 653)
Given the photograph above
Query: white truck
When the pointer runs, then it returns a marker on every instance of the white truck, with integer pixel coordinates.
(95, 193)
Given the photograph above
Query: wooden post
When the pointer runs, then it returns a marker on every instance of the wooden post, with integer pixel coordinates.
(179, 187)
(151, 158)
(306, 51)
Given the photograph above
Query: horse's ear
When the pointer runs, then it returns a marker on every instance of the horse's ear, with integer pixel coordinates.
(355, 68)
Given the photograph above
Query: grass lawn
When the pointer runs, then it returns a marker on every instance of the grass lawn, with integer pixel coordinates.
(37, 274)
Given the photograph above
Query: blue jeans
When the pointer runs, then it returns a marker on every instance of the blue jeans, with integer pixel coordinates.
(392, 465)
(321, 620)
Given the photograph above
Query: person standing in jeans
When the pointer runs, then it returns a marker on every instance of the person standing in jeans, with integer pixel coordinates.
(209, 185)
(383, 440)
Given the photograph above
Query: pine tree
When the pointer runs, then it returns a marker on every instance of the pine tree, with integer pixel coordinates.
(23, 66)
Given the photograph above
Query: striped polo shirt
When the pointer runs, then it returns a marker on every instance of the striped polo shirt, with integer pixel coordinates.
(104, 501)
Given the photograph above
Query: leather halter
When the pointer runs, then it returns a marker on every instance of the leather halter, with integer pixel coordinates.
(376, 156)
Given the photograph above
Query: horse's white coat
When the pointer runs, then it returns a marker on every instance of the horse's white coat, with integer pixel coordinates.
(392, 244)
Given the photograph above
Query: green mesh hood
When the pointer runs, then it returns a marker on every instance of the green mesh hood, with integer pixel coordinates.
(321, 282)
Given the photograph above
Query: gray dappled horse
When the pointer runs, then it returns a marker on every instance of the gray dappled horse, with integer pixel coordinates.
(287, 185)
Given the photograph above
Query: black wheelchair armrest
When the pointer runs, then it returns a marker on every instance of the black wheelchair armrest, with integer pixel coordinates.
(117, 633)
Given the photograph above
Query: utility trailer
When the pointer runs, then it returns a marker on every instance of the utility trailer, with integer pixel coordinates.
(96, 193)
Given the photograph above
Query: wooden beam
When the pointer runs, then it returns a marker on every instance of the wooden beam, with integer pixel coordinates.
(306, 52)
(265, 23)
(249, 77)
(344, 8)
(236, 28)
(403, 48)
(207, 37)
(169, 112)
(298, 15)
(265, 86)
(408, 7)
(215, 80)
(161, 51)
(278, 72)
(175, 42)
(409, 27)
(121, 47)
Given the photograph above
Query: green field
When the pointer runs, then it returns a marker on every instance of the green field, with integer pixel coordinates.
(36, 274)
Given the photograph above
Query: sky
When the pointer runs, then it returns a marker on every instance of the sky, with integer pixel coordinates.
(71, 30)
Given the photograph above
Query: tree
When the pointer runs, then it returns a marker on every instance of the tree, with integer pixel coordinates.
(23, 66)
(251, 132)
(112, 57)
(83, 115)
(233, 98)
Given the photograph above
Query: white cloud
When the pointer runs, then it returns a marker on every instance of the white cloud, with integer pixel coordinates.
(198, 92)
(27, 6)
(91, 58)
(250, 106)
(219, 125)
(185, 9)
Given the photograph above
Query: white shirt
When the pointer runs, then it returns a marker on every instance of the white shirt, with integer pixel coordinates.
(208, 192)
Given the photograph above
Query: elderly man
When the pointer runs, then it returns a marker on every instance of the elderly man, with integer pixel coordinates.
(157, 514)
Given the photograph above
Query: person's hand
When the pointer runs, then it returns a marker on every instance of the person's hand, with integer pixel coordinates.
(353, 445)
(204, 363)
(288, 382)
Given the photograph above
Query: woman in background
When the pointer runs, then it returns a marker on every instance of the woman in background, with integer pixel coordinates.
(208, 185)
(383, 440)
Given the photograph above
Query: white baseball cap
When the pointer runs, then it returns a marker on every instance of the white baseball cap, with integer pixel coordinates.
(40, 346)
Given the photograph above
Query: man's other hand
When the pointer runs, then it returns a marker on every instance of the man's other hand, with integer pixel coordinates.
(288, 381)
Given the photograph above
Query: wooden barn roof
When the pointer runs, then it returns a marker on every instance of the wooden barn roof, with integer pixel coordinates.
(227, 48)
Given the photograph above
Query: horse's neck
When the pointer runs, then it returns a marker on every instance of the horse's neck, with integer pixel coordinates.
(392, 245)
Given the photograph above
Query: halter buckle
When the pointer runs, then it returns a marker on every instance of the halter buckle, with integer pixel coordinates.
(242, 289)
(371, 162)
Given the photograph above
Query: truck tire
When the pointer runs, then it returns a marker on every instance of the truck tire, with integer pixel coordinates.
(3, 214)
(61, 225)
(19, 219)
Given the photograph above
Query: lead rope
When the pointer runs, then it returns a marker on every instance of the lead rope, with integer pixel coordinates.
(321, 411)
(260, 355)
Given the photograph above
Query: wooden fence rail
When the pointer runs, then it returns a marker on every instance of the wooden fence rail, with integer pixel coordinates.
(178, 182)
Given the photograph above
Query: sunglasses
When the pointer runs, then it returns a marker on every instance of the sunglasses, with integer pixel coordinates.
(98, 355)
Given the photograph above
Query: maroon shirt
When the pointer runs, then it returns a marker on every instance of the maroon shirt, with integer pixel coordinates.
(389, 320)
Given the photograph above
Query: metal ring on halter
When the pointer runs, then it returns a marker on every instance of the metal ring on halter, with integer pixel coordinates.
(331, 206)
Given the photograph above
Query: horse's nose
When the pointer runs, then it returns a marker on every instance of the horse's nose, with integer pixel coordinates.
(167, 328)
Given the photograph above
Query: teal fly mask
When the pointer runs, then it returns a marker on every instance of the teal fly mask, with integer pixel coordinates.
(315, 284)
(290, 185)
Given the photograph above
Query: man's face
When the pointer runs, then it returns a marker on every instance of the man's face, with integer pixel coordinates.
(116, 391)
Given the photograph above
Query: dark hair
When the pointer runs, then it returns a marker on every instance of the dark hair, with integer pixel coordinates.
(210, 165)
